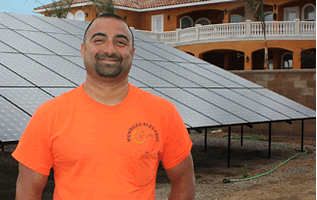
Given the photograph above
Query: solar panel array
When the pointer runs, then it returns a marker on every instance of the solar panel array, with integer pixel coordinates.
(40, 59)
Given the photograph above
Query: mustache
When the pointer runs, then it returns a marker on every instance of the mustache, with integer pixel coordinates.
(106, 55)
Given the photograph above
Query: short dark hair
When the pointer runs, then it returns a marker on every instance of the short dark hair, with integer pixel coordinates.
(109, 15)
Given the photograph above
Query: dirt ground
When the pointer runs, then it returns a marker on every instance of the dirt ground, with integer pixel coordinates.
(294, 180)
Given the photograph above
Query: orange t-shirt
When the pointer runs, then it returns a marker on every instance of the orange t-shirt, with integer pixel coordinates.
(104, 152)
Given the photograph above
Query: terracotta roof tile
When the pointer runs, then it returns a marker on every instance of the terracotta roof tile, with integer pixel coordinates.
(139, 4)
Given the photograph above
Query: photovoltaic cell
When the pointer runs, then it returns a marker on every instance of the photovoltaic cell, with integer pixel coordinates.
(228, 105)
(181, 54)
(189, 116)
(80, 24)
(77, 60)
(253, 105)
(143, 37)
(148, 78)
(287, 102)
(67, 27)
(27, 98)
(213, 112)
(57, 91)
(34, 72)
(147, 55)
(230, 76)
(1, 26)
(211, 76)
(270, 103)
(158, 51)
(197, 78)
(164, 74)
(13, 121)
(136, 83)
(136, 57)
(51, 43)
(14, 23)
(62, 67)
(22, 44)
(68, 39)
(37, 23)
(6, 48)
(8, 78)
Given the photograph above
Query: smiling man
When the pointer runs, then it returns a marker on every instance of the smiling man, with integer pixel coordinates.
(105, 138)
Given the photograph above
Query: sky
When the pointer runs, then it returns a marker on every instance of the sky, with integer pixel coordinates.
(22, 6)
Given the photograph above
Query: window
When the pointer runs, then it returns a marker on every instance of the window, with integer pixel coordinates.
(287, 60)
(291, 13)
(268, 16)
(202, 21)
(186, 22)
(236, 18)
(70, 16)
(80, 15)
(308, 12)
(158, 23)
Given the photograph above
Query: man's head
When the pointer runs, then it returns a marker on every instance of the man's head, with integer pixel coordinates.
(108, 47)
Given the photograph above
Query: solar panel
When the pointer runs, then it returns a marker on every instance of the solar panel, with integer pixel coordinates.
(37, 23)
(164, 74)
(271, 103)
(287, 102)
(146, 54)
(34, 72)
(51, 43)
(21, 43)
(6, 48)
(188, 74)
(57, 91)
(228, 105)
(27, 98)
(14, 23)
(137, 83)
(217, 114)
(13, 121)
(63, 67)
(142, 37)
(256, 107)
(190, 116)
(80, 24)
(9, 78)
(68, 39)
(76, 60)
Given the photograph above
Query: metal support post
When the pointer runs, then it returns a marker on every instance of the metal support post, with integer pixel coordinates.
(241, 135)
(270, 139)
(302, 149)
(229, 145)
(206, 140)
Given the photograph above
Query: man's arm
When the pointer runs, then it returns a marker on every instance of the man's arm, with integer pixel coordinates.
(182, 178)
(30, 184)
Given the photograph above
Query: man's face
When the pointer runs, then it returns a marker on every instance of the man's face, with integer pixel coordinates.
(108, 51)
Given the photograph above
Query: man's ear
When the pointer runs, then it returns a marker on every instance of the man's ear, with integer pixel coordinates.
(82, 49)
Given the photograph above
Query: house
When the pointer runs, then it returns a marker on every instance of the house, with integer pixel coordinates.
(222, 32)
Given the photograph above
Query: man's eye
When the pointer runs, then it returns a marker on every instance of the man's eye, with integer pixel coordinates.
(98, 40)
(121, 43)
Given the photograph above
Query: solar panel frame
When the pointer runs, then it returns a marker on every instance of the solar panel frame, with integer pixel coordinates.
(70, 40)
(13, 23)
(6, 48)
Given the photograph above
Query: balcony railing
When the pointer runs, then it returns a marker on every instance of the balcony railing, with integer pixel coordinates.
(237, 32)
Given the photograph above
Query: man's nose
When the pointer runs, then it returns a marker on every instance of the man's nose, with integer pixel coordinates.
(109, 48)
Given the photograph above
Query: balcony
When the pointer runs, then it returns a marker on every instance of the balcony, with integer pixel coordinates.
(275, 30)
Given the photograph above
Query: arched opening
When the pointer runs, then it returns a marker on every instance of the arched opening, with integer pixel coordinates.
(70, 16)
(287, 60)
(308, 59)
(236, 18)
(189, 19)
(308, 12)
(202, 21)
(268, 16)
(226, 59)
(80, 15)
(186, 22)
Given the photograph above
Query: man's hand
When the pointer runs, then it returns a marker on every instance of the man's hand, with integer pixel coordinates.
(182, 178)
(30, 184)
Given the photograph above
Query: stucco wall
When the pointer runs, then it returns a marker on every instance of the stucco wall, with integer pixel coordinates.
(298, 85)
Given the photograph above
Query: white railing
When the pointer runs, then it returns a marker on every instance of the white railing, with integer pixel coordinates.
(237, 31)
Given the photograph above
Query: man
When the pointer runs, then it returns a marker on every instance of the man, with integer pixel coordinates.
(105, 138)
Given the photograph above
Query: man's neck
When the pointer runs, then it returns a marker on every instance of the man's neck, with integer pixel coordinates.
(107, 93)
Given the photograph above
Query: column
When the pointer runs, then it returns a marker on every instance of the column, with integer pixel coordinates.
(297, 58)
(227, 16)
(276, 60)
(247, 60)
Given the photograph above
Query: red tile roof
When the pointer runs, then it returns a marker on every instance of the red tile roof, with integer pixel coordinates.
(139, 4)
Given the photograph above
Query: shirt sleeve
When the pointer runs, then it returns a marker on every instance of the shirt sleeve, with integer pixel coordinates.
(33, 149)
(178, 143)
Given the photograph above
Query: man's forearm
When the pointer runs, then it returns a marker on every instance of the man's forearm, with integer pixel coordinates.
(184, 189)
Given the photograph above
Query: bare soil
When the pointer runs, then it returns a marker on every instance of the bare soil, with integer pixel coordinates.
(296, 179)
